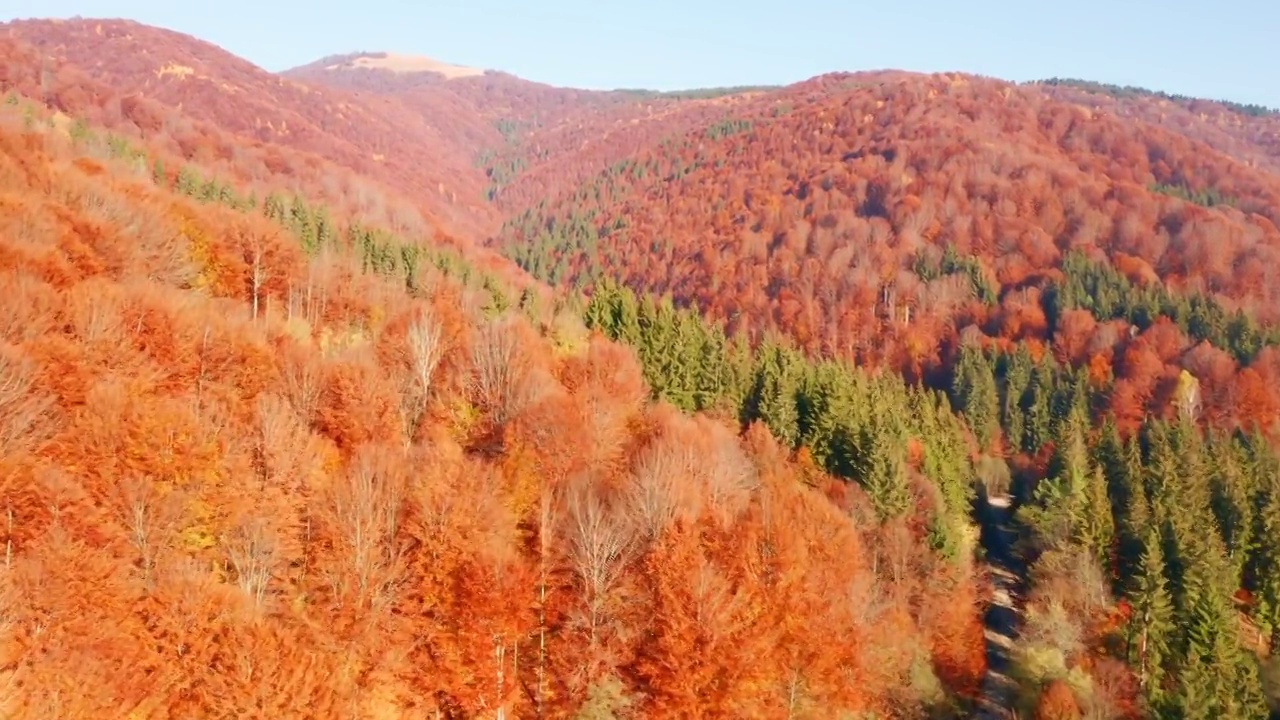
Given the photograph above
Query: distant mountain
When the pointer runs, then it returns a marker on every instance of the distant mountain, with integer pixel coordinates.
(423, 156)
(546, 131)
(397, 63)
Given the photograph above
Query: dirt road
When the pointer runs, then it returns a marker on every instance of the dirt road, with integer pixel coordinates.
(1004, 616)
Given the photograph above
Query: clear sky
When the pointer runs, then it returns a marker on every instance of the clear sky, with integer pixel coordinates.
(1226, 49)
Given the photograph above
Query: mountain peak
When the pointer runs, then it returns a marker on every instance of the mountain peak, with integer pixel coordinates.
(401, 63)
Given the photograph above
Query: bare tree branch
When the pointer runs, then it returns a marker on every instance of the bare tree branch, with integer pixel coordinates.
(252, 549)
(303, 378)
(24, 411)
(149, 519)
(599, 541)
(501, 371)
(368, 506)
(426, 346)
(600, 546)
(654, 490)
(730, 477)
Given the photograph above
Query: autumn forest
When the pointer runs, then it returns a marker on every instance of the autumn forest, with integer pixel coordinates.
(378, 390)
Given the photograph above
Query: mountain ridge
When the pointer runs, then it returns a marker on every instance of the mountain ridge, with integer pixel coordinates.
(360, 132)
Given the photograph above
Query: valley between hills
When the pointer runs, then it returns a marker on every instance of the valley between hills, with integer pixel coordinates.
(388, 388)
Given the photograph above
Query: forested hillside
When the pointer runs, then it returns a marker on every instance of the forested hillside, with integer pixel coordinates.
(1248, 132)
(364, 133)
(553, 139)
(1095, 293)
(223, 157)
(880, 224)
(253, 469)
(372, 391)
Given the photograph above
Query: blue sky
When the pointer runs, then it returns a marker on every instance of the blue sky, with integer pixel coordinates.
(1224, 49)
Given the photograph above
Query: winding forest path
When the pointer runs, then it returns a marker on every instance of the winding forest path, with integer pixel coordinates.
(1004, 615)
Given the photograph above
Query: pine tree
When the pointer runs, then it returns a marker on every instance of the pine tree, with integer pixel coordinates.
(1016, 378)
(409, 261)
(1095, 527)
(626, 319)
(1038, 406)
(1231, 503)
(974, 390)
(773, 398)
(1061, 502)
(1217, 679)
(1132, 533)
(601, 308)
(273, 208)
(1264, 569)
(882, 470)
(708, 354)
(188, 182)
(1152, 620)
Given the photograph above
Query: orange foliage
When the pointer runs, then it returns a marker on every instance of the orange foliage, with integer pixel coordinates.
(1100, 369)
(1254, 400)
(1075, 330)
(958, 639)
(1057, 702)
(836, 190)
(221, 502)
(386, 503)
